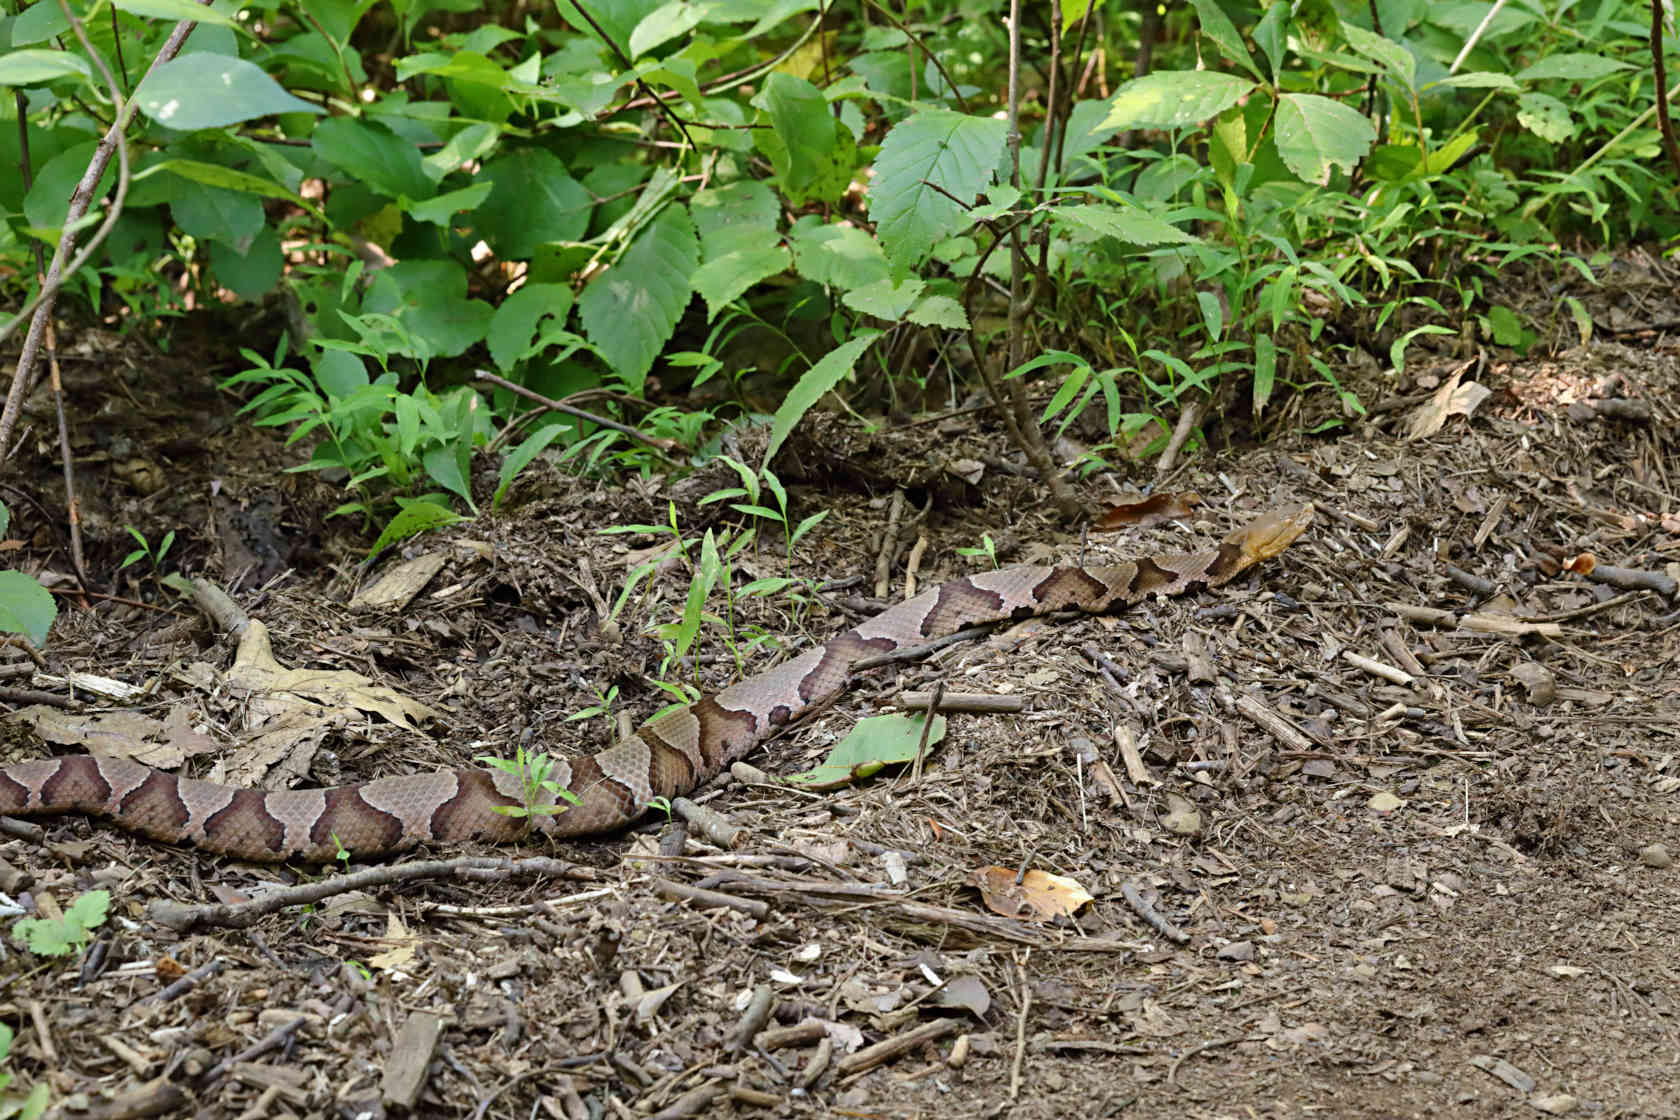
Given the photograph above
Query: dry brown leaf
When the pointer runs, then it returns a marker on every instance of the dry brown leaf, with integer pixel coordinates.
(276, 689)
(1038, 897)
(1149, 511)
(1451, 399)
(396, 588)
(120, 734)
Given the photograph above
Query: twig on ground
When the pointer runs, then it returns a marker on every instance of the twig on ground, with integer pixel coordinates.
(887, 1049)
(707, 899)
(1187, 421)
(889, 546)
(1471, 582)
(931, 709)
(1172, 1070)
(985, 702)
(1020, 1028)
(713, 825)
(1134, 898)
(219, 607)
(916, 653)
(1634, 579)
(752, 1019)
(239, 915)
(658, 443)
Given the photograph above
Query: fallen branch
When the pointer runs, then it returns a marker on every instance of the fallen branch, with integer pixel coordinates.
(241, 915)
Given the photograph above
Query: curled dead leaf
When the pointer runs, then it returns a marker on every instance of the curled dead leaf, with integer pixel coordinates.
(1149, 511)
(1038, 897)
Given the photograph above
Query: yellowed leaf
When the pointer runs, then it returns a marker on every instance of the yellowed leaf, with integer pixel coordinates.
(1038, 897)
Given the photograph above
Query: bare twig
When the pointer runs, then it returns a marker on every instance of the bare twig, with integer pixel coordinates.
(656, 442)
(112, 143)
(241, 915)
(1134, 898)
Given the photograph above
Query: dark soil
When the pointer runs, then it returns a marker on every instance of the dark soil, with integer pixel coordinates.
(1441, 890)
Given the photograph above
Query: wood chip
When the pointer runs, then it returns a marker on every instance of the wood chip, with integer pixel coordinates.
(411, 1055)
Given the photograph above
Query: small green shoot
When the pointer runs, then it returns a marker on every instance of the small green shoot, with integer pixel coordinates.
(145, 550)
(987, 548)
(541, 795)
(68, 933)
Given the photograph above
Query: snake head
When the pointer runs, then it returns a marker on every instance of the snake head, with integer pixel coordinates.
(1271, 533)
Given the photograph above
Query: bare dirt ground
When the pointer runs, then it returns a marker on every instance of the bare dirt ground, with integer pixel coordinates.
(1409, 791)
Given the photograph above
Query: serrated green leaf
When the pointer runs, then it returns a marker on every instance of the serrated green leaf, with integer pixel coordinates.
(939, 311)
(516, 322)
(212, 91)
(723, 215)
(535, 202)
(1393, 57)
(934, 148)
(429, 298)
(1174, 99)
(1127, 223)
(836, 256)
(886, 299)
(176, 11)
(1545, 116)
(1569, 67)
(630, 310)
(373, 155)
(723, 280)
(439, 209)
(89, 909)
(1216, 25)
(26, 607)
(803, 123)
(1315, 134)
(833, 368)
(33, 67)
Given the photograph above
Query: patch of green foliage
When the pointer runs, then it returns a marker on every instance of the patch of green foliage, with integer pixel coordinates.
(441, 190)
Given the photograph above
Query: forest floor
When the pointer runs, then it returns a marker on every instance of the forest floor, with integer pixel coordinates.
(1408, 794)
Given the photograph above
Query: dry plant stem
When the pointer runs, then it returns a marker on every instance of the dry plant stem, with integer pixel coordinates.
(982, 702)
(1020, 1028)
(630, 65)
(712, 900)
(1659, 70)
(654, 442)
(1172, 1071)
(1018, 418)
(889, 543)
(871, 1056)
(1187, 421)
(713, 825)
(63, 265)
(1140, 905)
(242, 915)
(66, 459)
(927, 729)
(229, 618)
(1634, 579)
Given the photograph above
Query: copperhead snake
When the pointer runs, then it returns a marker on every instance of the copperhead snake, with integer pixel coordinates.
(669, 756)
